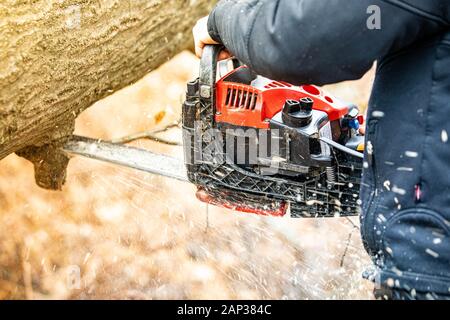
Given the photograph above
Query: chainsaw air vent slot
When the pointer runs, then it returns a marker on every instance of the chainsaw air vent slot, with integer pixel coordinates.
(278, 84)
(241, 98)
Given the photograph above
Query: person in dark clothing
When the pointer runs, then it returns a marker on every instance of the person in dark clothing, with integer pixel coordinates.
(405, 221)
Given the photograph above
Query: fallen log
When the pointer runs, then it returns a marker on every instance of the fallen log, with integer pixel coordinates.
(58, 57)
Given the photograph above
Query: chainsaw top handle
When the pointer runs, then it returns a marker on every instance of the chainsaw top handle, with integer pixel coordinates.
(208, 73)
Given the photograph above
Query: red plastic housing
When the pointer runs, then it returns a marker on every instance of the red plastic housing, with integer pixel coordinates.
(271, 208)
(248, 106)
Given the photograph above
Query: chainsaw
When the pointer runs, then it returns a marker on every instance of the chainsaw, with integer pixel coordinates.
(255, 145)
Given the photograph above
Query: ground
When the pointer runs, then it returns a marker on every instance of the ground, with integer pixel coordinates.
(118, 233)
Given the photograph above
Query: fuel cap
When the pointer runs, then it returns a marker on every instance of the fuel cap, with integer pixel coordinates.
(297, 113)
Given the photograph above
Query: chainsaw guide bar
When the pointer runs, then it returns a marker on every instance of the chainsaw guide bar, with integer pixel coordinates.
(131, 157)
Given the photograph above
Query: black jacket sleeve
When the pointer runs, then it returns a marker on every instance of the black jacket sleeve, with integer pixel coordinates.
(321, 41)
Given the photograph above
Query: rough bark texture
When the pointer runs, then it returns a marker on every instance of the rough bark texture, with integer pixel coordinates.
(58, 57)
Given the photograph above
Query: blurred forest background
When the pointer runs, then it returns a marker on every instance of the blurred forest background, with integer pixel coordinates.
(115, 233)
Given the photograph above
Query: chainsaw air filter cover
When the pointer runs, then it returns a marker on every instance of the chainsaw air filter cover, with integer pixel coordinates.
(261, 146)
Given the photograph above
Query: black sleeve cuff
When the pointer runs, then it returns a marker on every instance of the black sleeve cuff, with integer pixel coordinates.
(212, 27)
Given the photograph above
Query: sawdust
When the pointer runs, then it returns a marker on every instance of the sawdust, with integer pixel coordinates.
(117, 233)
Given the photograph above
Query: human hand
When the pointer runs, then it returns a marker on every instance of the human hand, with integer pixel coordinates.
(202, 38)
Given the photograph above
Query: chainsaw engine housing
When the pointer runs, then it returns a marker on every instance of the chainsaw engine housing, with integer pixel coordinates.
(261, 146)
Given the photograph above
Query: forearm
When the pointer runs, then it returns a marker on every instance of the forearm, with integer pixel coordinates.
(310, 41)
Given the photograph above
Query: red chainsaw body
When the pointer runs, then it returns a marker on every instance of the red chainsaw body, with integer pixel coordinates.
(285, 165)
(243, 104)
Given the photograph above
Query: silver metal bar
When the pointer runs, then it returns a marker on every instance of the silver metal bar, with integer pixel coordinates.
(127, 156)
(342, 148)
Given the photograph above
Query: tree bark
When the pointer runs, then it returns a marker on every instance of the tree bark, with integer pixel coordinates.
(58, 57)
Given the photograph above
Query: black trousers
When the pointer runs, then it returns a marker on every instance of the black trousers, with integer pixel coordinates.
(406, 184)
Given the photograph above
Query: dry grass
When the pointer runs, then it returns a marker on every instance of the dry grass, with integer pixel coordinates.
(136, 236)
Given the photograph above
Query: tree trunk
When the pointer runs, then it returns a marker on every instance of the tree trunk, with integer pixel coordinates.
(58, 57)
